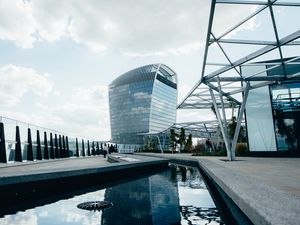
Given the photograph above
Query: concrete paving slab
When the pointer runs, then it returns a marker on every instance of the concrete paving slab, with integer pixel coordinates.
(265, 189)
(54, 169)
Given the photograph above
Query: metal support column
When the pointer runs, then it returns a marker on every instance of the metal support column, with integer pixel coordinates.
(93, 148)
(46, 152)
(52, 154)
(3, 157)
(161, 150)
(89, 150)
(97, 148)
(18, 150)
(223, 112)
(220, 123)
(239, 121)
(38, 148)
(56, 146)
(101, 148)
(83, 150)
(29, 146)
(77, 148)
(61, 152)
(67, 147)
(205, 127)
(64, 146)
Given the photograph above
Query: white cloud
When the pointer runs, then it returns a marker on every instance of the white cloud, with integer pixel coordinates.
(84, 114)
(44, 214)
(139, 28)
(17, 23)
(22, 218)
(52, 19)
(15, 81)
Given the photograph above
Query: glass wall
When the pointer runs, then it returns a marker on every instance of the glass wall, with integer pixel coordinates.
(260, 126)
(286, 111)
(273, 112)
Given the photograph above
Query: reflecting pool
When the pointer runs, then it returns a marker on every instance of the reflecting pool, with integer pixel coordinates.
(175, 196)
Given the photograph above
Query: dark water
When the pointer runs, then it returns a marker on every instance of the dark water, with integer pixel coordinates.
(175, 196)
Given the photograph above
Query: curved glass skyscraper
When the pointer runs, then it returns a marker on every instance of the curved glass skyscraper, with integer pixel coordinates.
(142, 101)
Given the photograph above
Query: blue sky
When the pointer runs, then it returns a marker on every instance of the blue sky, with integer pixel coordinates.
(58, 57)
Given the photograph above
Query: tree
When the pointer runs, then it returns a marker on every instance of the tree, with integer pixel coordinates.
(173, 140)
(182, 138)
(231, 129)
(189, 143)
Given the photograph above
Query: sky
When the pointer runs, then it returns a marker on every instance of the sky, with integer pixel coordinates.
(57, 58)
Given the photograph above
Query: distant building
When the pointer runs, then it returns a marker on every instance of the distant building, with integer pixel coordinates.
(273, 111)
(142, 101)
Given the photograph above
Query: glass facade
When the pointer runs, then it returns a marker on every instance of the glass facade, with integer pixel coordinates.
(285, 99)
(142, 101)
(276, 125)
(260, 126)
(286, 112)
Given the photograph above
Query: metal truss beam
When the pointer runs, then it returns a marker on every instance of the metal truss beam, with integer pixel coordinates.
(258, 3)
(239, 121)
(256, 54)
(223, 93)
(221, 124)
(244, 42)
(225, 54)
(226, 83)
(243, 21)
(210, 23)
(254, 78)
(249, 42)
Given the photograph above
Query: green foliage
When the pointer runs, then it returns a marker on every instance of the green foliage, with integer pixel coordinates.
(200, 147)
(231, 129)
(222, 152)
(241, 149)
(189, 143)
(182, 138)
(173, 140)
(151, 145)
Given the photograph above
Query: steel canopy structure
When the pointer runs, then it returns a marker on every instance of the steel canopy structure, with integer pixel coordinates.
(199, 129)
(222, 83)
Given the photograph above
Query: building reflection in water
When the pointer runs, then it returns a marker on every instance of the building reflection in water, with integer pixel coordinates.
(150, 200)
(178, 196)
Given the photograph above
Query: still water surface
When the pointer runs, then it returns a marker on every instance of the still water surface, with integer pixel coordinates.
(175, 196)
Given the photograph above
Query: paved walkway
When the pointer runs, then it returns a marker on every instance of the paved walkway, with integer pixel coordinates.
(267, 190)
(280, 173)
(14, 173)
(46, 166)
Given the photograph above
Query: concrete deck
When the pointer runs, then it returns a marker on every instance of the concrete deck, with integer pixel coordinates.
(15, 173)
(267, 190)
